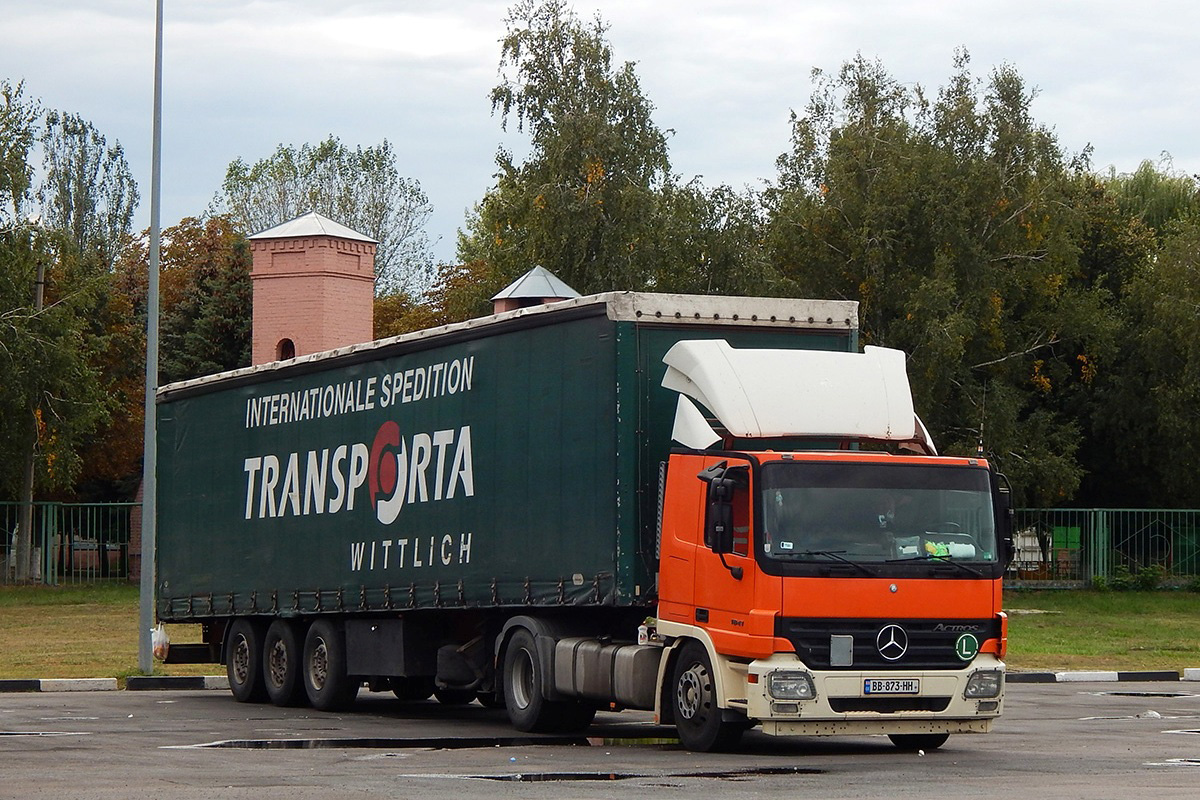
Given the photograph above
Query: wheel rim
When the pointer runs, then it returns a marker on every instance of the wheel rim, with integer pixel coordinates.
(318, 665)
(691, 695)
(241, 660)
(521, 679)
(277, 663)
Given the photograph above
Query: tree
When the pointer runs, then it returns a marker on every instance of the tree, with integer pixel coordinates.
(1146, 418)
(949, 220)
(584, 204)
(88, 191)
(61, 332)
(710, 241)
(206, 325)
(360, 188)
(1156, 197)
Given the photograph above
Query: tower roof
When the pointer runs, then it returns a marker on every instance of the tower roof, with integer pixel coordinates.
(538, 282)
(312, 224)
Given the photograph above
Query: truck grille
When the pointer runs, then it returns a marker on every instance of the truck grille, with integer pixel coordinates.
(931, 643)
(888, 705)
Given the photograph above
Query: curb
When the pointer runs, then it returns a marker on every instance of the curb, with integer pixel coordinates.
(1101, 676)
(134, 682)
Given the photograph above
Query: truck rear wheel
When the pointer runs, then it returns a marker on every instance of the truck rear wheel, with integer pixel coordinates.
(918, 741)
(528, 710)
(326, 683)
(698, 718)
(282, 655)
(243, 661)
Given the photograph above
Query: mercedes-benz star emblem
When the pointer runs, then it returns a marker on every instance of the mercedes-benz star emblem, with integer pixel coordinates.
(892, 642)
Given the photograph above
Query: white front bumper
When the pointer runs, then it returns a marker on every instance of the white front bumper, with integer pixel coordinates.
(842, 707)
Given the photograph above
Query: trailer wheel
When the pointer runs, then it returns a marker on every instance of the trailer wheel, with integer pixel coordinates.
(328, 686)
(918, 741)
(243, 661)
(528, 710)
(282, 655)
(698, 718)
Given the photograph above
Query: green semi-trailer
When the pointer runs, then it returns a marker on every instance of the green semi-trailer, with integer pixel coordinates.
(473, 511)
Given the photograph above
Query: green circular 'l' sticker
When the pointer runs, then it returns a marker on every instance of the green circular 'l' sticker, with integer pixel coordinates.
(967, 646)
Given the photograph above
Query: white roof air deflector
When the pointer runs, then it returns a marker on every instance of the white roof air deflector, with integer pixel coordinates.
(811, 393)
(691, 428)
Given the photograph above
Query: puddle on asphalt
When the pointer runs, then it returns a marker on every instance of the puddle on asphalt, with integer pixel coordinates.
(434, 743)
(370, 743)
(725, 775)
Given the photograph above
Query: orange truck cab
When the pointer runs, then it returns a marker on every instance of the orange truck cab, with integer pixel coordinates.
(850, 584)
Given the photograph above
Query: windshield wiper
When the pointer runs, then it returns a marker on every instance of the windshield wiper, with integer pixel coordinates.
(942, 559)
(837, 555)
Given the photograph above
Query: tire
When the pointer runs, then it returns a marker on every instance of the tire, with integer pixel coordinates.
(412, 690)
(326, 683)
(282, 656)
(527, 709)
(918, 741)
(454, 697)
(698, 719)
(243, 660)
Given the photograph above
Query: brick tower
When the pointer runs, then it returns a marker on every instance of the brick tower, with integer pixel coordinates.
(314, 288)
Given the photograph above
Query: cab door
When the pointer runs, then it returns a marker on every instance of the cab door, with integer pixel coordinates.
(728, 604)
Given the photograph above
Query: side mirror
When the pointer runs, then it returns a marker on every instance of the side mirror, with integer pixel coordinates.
(1004, 517)
(722, 481)
(718, 522)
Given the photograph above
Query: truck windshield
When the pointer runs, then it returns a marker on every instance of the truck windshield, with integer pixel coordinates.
(876, 513)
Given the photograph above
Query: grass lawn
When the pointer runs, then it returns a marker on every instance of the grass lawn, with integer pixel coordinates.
(91, 631)
(79, 632)
(1087, 630)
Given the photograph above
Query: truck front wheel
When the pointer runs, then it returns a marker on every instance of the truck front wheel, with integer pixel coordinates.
(698, 718)
(243, 661)
(528, 710)
(281, 664)
(328, 686)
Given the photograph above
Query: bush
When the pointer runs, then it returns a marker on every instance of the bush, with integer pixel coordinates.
(1121, 579)
(1149, 578)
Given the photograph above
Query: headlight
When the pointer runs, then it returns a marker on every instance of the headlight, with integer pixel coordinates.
(790, 685)
(985, 683)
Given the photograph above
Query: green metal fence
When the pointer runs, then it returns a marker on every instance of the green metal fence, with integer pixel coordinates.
(1075, 546)
(87, 542)
(72, 542)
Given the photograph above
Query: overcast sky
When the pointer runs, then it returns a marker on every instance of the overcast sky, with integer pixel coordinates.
(242, 77)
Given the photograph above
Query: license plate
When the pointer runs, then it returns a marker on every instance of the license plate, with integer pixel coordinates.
(891, 686)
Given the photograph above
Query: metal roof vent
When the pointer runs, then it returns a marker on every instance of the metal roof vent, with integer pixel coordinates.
(534, 288)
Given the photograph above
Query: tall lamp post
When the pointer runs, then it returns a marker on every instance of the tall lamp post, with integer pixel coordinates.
(150, 444)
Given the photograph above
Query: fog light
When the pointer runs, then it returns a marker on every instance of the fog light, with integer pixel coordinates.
(785, 708)
(987, 706)
(790, 685)
(984, 683)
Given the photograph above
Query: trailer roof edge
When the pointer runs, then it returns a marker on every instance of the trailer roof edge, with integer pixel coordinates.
(830, 316)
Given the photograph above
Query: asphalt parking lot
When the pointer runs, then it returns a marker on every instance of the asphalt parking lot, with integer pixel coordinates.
(1077, 740)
